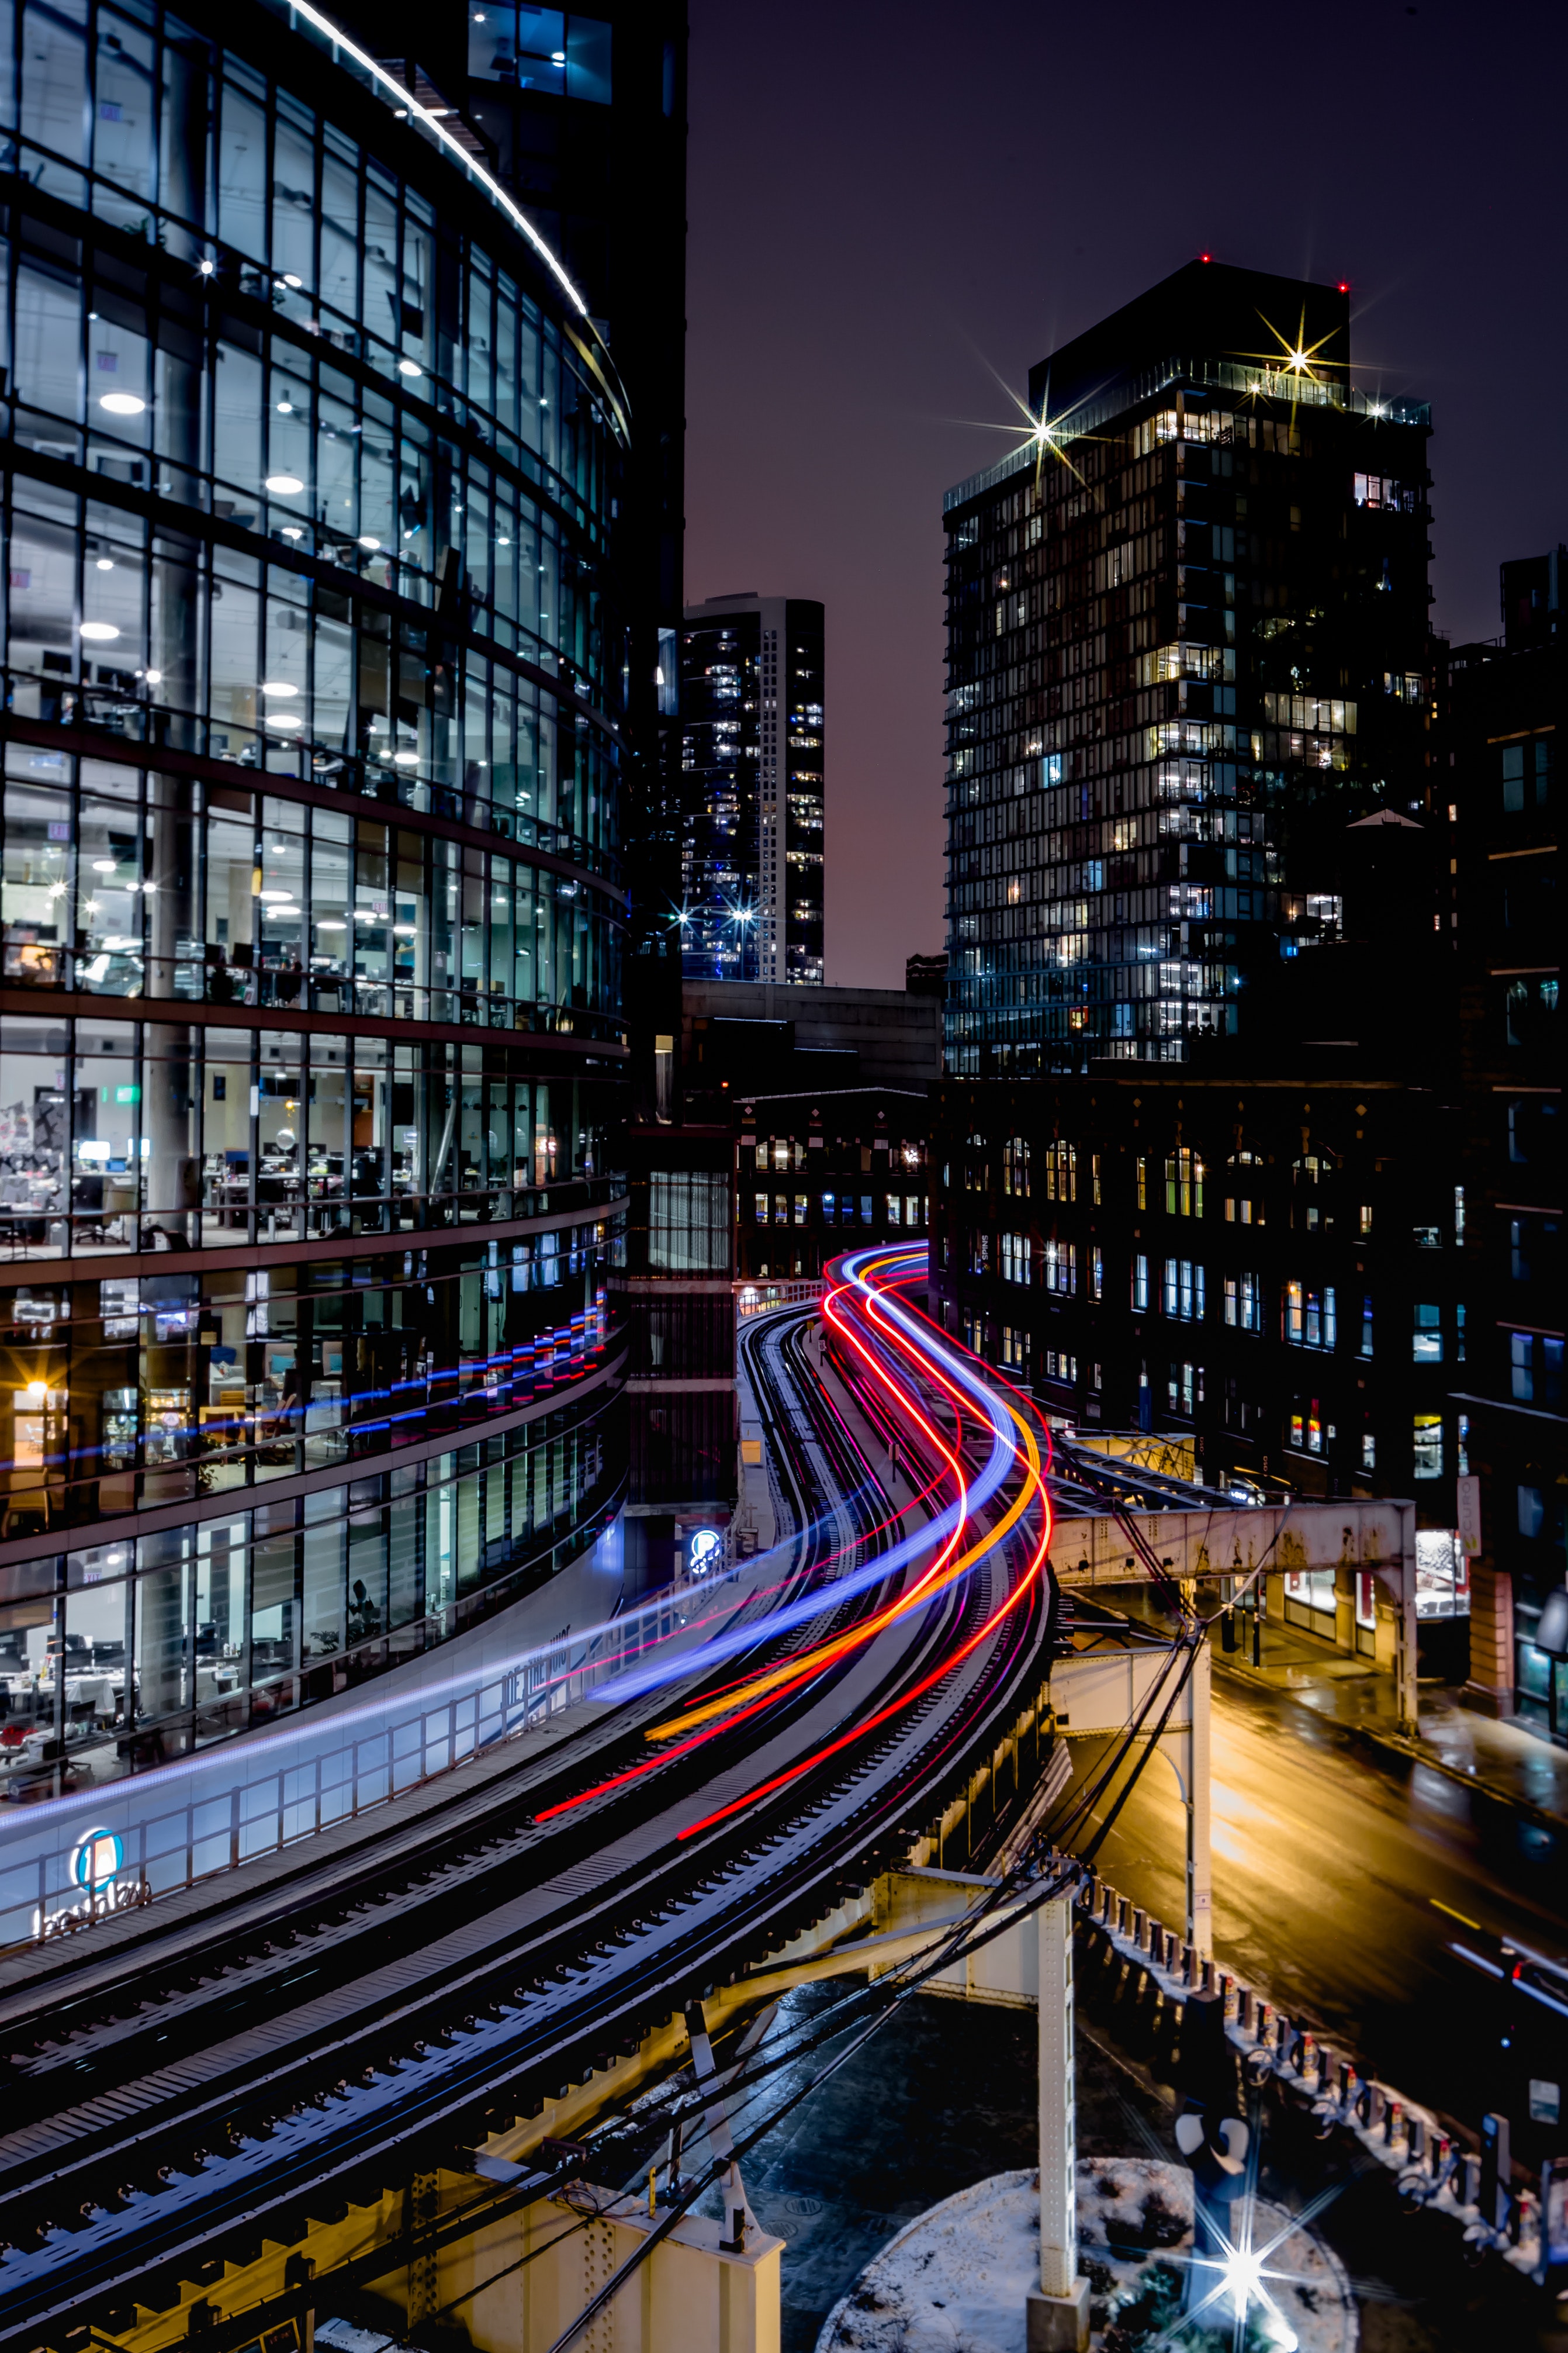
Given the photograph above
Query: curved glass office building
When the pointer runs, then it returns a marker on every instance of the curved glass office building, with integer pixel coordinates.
(310, 1026)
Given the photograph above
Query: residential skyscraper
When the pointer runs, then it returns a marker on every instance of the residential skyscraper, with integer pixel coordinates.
(751, 789)
(1187, 647)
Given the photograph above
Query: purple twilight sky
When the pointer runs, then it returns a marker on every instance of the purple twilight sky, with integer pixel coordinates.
(895, 210)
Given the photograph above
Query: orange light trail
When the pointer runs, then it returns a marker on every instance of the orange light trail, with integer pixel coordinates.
(725, 1710)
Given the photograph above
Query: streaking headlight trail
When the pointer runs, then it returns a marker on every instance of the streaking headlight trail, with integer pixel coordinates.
(905, 1370)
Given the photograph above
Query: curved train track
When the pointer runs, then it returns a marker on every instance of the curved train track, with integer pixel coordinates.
(203, 2074)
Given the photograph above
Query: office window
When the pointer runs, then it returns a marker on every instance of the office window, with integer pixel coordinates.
(1015, 1258)
(1096, 1272)
(1535, 1365)
(688, 1222)
(1060, 1267)
(1243, 1302)
(1140, 1283)
(1427, 1342)
(1527, 775)
(1184, 1184)
(1183, 1290)
(1311, 1316)
(1427, 1436)
(1306, 1427)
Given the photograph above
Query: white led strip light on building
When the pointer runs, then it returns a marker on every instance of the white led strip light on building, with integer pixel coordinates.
(340, 39)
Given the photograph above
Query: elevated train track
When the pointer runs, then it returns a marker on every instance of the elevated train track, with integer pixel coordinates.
(190, 2081)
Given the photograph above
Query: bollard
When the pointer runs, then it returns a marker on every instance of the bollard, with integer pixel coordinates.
(1123, 1913)
(1325, 2071)
(1441, 2156)
(1207, 1968)
(1232, 1993)
(1416, 2133)
(1265, 2024)
(1283, 2041)
(1376, 2102)
(1394, 2123)
(1243, 2008)
(1106, 1904)
(1307, 2059)
(1140, 1928)
(1348, 2080)
(1469, 2179)
(1189, 1965)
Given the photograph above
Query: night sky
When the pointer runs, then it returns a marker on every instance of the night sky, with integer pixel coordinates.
(895, 210)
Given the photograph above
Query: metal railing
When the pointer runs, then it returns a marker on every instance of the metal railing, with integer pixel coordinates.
(80, 1858)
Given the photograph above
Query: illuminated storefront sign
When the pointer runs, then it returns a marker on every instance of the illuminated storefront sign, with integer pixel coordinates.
(98, 1870)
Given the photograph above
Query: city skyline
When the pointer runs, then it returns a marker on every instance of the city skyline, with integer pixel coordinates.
(920, 300)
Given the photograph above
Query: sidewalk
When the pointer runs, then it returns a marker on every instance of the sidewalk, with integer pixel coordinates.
(1506, 1762)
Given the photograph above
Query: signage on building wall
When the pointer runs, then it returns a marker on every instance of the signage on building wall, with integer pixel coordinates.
(1467, 1510)
(704, 1552)
(98, 1872)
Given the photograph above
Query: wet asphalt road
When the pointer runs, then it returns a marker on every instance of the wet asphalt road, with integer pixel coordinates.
(1330, 1867)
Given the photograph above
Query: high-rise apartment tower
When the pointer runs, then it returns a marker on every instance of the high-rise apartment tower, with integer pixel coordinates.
(1187, 645)
(751, 780)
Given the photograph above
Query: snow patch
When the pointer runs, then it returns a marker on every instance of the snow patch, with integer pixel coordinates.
(956, 2280)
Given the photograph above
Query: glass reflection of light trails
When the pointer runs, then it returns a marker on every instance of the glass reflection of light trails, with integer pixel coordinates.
(904, 1356)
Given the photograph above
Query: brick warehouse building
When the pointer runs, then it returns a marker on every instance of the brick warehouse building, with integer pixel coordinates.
(1269, 1268)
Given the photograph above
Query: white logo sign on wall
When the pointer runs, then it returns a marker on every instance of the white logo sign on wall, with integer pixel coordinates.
(98, 1872)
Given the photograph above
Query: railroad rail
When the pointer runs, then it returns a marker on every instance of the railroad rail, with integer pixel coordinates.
(217, 2070)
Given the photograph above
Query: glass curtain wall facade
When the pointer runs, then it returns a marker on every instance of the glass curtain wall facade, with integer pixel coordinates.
(311, 1038)
(751, 790)
(1187, 645)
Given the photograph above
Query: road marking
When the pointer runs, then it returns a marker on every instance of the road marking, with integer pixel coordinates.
(1463, 1918)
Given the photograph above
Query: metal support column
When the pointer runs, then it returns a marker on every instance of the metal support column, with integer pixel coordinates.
(1200, 1863)
(1058, 2313)
(1407, 1649)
